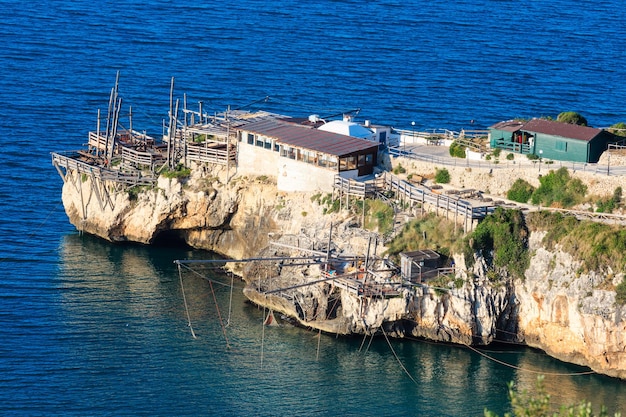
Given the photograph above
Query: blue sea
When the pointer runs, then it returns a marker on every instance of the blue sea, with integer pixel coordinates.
(92, 328)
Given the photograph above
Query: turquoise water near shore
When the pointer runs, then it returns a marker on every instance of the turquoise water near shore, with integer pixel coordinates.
(90, 328)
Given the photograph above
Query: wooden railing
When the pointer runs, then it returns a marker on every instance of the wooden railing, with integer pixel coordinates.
(211, 155)
(70, 162)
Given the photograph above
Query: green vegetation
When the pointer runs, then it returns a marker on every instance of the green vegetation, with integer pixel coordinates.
(428, 232)
(134, 191)
(378, 216)
(503, 236)
(520, 191)
(179, 172)
(571, 117)
(510, 157)
(532, 156)
(607, 205)
(332, 206)
(442, 176)
(599, 246)
(558, 189)
(399, 169)
(525, 404)
(497, 152)
(457, 150)
(618, 129)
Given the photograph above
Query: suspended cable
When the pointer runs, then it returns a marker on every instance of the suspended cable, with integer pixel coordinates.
(182, 288)
(262, 336)
(230, 303)
(396, 356)
(219, 316)
(529, 370)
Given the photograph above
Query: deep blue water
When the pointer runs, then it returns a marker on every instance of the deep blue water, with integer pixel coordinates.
(89, 328)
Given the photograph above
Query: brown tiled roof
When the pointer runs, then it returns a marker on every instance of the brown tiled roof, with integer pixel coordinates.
(508, 126)
(308, 138)
(565, 130)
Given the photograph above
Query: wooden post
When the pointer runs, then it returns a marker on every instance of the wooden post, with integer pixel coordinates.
(98, 135)
(169, 134)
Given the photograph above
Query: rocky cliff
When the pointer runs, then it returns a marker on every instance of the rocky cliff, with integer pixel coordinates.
(570, 315)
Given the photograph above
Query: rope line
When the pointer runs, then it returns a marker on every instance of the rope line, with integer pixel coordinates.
(230, 303)
(262, 336)
(528, 370)
(206, 278)
(219, 315)
(182, 288)
(397, 358)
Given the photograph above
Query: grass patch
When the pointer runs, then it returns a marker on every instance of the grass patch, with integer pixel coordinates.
(428, 232)
(599, 246)
(179, 172)
(379, 216)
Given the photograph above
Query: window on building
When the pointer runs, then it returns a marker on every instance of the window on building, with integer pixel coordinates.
(250, 139)
(561, 146)
(369, 158)
(361, 160)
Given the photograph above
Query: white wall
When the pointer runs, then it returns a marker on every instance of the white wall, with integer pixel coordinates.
(253, 160)
(291, 175)
(300, 176)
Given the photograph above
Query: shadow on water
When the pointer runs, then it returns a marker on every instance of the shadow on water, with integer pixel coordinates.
(123, 333)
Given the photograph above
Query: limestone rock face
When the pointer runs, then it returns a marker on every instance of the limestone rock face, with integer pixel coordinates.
(570, 315)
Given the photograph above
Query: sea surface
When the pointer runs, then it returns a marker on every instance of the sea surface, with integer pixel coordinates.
(92, 328)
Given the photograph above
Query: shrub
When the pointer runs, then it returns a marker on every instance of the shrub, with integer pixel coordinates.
(558, 187)
(457, 150)
(520, 191)
(497, 152)
(399, 169)
(510, 157)
(504, 236)
(618, 129)
(532, 156)
(442, 176)
(571, 117)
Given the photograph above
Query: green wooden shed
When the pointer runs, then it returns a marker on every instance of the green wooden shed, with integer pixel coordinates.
(551, 140)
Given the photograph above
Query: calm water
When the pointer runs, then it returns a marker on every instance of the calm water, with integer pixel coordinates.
(92, 328)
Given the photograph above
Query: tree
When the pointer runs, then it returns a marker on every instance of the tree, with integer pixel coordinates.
(571, 117)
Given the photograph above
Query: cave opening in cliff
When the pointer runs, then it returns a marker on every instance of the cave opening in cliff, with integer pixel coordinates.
(171, 239)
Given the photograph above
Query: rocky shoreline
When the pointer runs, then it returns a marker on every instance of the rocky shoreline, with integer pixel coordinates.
(554, 308)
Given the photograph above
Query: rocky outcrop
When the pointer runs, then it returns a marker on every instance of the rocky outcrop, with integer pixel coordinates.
(570, 315)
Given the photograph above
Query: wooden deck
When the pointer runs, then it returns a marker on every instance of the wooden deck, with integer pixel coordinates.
(408, 192)
(75, 161)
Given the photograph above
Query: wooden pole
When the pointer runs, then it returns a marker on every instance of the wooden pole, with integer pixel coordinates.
(98, 135)
(169, 133)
